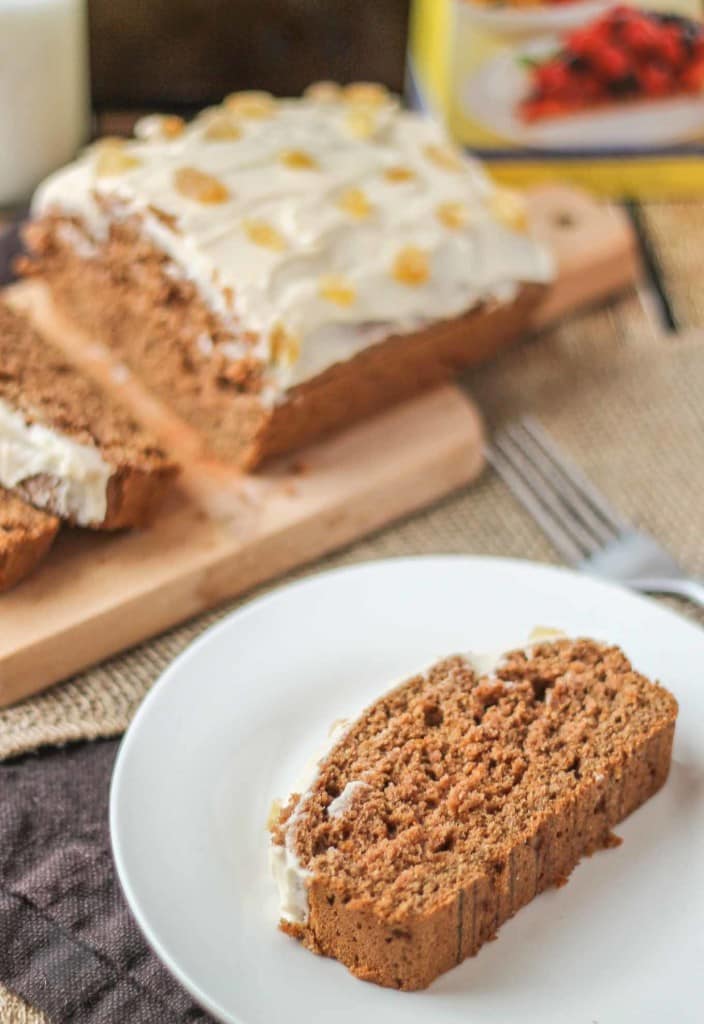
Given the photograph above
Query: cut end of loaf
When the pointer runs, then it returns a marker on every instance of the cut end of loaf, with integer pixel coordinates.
(72, 450)
(457, 797)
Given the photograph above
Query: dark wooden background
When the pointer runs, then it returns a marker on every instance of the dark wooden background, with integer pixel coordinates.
(186, 53)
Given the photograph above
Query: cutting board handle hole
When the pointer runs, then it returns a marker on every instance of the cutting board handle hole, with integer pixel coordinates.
(564, 219)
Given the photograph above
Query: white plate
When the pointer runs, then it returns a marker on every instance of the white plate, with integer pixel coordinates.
(492, 96)
(523, 21)
(234, 719)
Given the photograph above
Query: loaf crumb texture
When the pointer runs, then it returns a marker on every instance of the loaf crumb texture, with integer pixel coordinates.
(38, 381)
(40, 384)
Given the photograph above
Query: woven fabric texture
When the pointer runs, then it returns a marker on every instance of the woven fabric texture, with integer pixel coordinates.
(629, 410)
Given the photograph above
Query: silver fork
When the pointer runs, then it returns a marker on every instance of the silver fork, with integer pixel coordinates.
(578, 520)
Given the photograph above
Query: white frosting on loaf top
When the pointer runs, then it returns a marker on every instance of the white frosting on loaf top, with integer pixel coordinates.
(314, 227)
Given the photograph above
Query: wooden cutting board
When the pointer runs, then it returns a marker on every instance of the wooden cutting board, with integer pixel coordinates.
(223, 532)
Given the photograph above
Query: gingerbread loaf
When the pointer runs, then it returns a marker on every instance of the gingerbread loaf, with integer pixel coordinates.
(65, 446)
(26, 535)
(459, 796)
(279, 268)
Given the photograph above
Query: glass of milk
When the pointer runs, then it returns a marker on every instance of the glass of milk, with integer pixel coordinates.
(44, 100)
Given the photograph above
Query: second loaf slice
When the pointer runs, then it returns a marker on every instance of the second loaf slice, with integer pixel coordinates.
(65, 446)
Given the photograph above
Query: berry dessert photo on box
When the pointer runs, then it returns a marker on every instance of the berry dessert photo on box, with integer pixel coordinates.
(625, 55)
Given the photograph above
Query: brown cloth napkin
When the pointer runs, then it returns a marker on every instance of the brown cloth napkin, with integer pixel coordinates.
(628, 406)
(68, 944)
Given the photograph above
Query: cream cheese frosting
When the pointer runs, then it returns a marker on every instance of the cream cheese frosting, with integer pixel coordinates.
(79, 474)
(313, 227)
(342, 803)
(288, 872)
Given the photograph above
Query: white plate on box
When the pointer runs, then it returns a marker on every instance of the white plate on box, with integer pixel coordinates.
(233, 720)
(525, 21)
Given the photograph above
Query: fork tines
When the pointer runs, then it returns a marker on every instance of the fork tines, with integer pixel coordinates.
(570, 510)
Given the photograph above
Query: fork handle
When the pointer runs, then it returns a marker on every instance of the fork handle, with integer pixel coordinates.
(691, 589)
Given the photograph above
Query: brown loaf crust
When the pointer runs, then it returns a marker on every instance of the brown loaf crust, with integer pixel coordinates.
(38, 382)
(26, 534)
(123, 295)
(396, 369)
(480, 794)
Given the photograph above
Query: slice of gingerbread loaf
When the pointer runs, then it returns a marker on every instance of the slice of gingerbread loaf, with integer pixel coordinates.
(26, 534)
(459, 796)
(65, 446)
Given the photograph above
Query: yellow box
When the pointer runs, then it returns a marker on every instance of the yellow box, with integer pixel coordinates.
(606, 95)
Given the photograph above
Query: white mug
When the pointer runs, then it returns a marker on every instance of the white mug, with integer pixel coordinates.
(44, 95)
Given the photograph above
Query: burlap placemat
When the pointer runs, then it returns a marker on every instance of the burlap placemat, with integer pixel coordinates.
(627, 406)
(676, 232)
